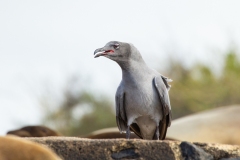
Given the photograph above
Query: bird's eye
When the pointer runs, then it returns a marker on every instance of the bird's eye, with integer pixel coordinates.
(116, 46)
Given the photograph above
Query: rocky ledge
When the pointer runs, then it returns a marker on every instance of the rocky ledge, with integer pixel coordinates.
(71, 148)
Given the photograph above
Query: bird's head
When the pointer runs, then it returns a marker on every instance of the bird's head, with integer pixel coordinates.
(114, 50)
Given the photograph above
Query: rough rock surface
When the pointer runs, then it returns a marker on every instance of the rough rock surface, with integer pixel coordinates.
(72, 148)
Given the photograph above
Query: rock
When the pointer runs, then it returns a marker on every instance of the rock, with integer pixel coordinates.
(230, 158)
(192, 152)
(72, 148)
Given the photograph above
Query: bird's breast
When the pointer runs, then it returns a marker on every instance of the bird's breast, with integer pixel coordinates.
(142, 100)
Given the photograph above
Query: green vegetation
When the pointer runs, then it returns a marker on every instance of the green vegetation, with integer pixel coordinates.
(79, 113)
(197, 89)
(193, 89)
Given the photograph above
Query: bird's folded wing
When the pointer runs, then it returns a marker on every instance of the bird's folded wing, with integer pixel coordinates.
(121, 117)
(162, 86)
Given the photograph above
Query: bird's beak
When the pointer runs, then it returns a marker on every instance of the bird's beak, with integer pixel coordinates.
(99, 52)
(102, 52)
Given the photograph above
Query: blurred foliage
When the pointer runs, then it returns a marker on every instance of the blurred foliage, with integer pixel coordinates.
(79, 113)
(198, 88)
(193, 89)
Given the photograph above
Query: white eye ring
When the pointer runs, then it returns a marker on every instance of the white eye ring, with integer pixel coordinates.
(116, 46)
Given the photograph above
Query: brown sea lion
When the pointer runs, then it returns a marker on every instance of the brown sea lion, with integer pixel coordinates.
(113, 133)
(16, 148)
(220, 125)
(109, 133)
(34, 131)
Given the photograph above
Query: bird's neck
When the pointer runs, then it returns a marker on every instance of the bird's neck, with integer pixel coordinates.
(133, 68)
(131, 65)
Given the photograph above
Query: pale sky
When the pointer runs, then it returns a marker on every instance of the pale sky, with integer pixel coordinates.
(43, 42)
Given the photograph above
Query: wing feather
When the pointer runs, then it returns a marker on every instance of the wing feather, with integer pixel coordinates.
(121, 117)
(162, 88)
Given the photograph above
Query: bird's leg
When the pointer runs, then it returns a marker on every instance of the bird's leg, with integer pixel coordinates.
(128, 133)
(157, 132)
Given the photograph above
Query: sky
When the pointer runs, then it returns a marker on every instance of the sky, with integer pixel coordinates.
(44, 42)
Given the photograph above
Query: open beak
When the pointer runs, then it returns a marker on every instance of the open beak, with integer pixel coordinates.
(101, 52)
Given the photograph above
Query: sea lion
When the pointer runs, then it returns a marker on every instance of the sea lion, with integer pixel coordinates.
(220, 125)
(109, 133)
(16, 148)
(113, 133)
(34, 131)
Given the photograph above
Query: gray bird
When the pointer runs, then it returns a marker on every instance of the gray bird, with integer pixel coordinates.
(142, 100)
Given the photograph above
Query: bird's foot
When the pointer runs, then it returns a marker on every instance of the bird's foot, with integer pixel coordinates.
(128, 133)
(157, 133)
